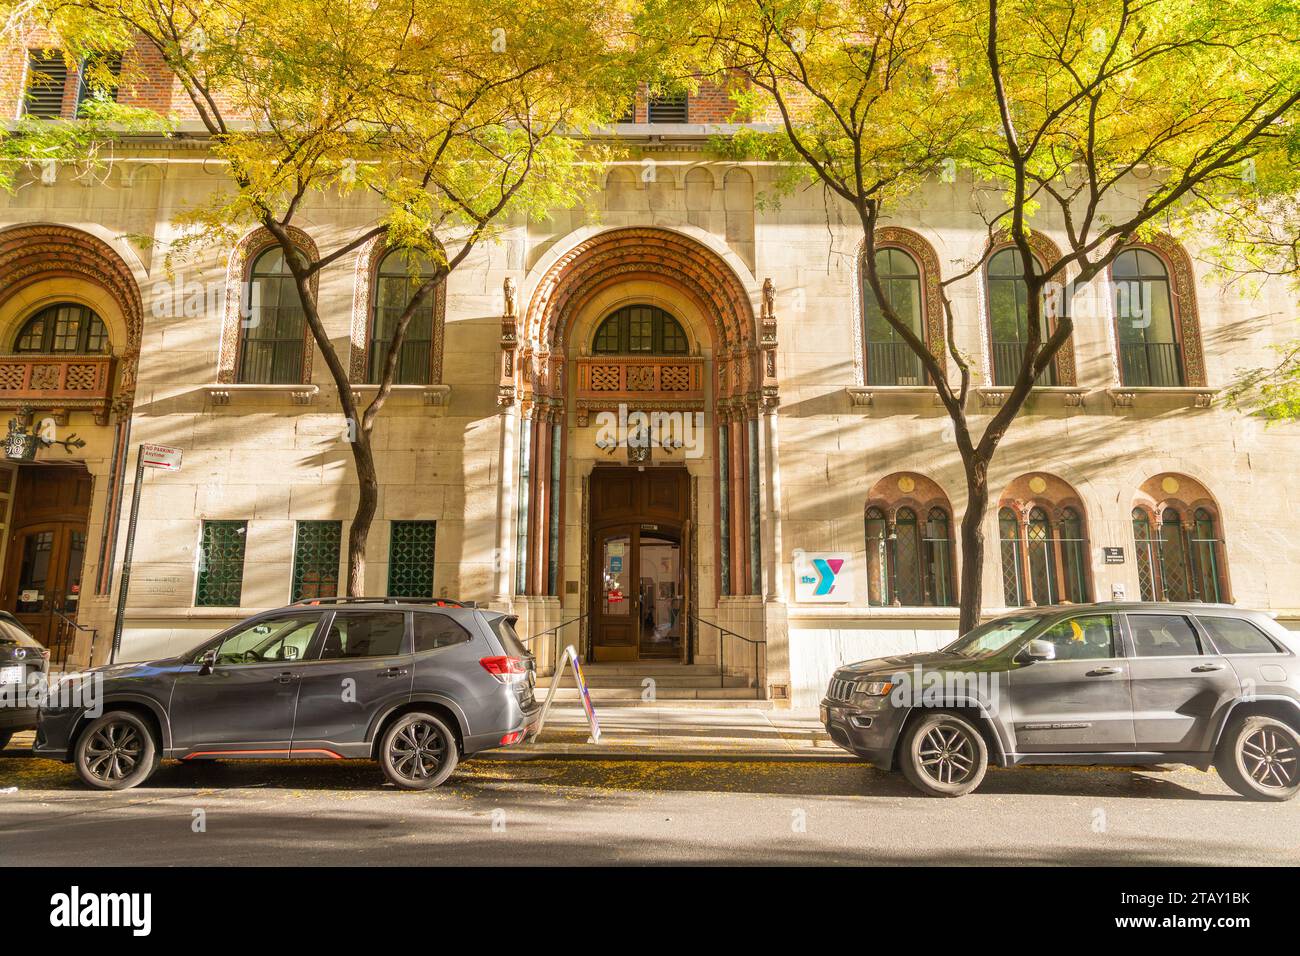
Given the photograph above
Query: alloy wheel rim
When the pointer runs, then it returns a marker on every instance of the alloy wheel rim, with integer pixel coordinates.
(1270, 758)
(947, 755)
(113, 751)
(417, 751)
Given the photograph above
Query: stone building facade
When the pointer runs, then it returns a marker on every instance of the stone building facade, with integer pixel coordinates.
(653, 422)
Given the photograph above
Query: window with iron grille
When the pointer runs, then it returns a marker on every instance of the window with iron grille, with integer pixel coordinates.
(274, 325)
(316, 546)
(667, 108)
(221, 564)
(47, 78)
(410, 559)
(401, 274)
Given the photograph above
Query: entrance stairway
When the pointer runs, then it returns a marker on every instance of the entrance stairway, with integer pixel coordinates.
(674, 685)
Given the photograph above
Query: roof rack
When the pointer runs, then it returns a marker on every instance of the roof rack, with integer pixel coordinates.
(434, 602)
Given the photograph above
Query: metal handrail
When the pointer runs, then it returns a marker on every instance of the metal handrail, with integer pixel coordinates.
(722, 648)
(93, 631)
(549, 630)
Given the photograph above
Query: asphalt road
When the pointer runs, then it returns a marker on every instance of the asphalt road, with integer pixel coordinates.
(548, 811)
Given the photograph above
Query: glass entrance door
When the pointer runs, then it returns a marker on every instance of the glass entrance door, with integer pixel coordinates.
(616, 597)
(47, 577)
(660, 596)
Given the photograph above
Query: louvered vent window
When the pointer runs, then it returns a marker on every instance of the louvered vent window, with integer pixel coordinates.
(47, 76)
(668, 109)
(92, 82)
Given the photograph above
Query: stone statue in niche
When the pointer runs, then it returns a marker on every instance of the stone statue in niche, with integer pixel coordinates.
(769, 298)
(509, 288)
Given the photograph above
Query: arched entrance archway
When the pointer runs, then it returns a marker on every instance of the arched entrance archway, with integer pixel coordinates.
(568, 393)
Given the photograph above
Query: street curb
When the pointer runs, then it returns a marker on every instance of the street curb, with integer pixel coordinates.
(595, 754)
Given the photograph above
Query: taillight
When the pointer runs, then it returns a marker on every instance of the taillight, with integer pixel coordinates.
(508, 670)
(512, 738)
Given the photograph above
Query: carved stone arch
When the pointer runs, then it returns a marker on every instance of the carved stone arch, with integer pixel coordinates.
(238, 267)
(38, 252)
(1041, 490)
(364, 279)
(1047, 252)
(927, 261)
(890, 495)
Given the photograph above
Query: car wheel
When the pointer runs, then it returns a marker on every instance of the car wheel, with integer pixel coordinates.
(418, 752)
(116, 752)
(943, 755)
(1259, 757)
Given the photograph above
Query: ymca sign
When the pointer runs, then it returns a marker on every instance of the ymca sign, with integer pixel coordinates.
(823, 577)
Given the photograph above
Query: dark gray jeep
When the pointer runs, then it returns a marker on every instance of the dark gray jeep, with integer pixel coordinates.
(1123, 683)
(416, 685)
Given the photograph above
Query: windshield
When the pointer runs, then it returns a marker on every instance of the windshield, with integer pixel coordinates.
(11, 632)
(988, 639)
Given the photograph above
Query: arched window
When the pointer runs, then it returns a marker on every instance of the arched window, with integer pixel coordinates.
(1009, 317)
(1150, 353)
(401, 273)
(890, 360)
(640, 330)
(273, 326)
(1013, 577)
(63, 329)
(1046, 561)
(909, 565)
(1183, 562)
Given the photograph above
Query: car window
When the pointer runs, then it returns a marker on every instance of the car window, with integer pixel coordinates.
(279, 639)
(1232, 635)
(433, 630)
(365, 634)
(1082, 638)
(1163, 635)
(504, 628)
(987, 639)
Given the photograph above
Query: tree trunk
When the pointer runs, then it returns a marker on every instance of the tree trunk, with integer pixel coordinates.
(972, 544)
(364, 516)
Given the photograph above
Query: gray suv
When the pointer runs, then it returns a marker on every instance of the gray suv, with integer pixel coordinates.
(1124, 683)
(416, 685)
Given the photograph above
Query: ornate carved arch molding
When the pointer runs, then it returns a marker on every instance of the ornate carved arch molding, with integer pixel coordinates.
(1048, 253)
(1182, 288)
(242, 256)
(896, 237)
(744, 356)
(35, 253)
(365, 277)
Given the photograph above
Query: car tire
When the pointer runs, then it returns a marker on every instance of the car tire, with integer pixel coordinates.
(943, 754)
(418, 751)
(1259, 758)
(117, 751)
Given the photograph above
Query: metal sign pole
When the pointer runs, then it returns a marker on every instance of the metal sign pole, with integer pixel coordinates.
(125, 581)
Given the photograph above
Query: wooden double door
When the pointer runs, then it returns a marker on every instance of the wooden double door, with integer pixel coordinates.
(640, 564)
(46, 553)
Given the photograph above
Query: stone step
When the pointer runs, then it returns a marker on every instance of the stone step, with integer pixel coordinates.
(637, 680)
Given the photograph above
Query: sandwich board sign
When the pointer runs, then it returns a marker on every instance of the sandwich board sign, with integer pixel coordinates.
(162, 457)
(584, 694)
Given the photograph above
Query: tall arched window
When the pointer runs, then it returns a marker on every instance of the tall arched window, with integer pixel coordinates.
(401, 273)
(1183, 562)
(273, 325)
(1009, 317)
(909, 564)
(1150, 352)
(890, 360)
(640, 330)
(1045, 561)
(63, 329)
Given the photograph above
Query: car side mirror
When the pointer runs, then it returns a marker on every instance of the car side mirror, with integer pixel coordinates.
(207, 660)
(1037, 650)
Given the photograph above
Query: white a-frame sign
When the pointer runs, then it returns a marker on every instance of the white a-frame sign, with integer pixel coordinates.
(570, 657)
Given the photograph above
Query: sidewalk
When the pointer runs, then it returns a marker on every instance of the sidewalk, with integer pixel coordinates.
(679, 733)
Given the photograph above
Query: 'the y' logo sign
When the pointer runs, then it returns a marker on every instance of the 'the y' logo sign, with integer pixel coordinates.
(823, 577)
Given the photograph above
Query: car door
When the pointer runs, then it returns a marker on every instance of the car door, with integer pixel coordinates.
(243, 705)
(1078, 702)
(363, 668)
(1179, 682)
